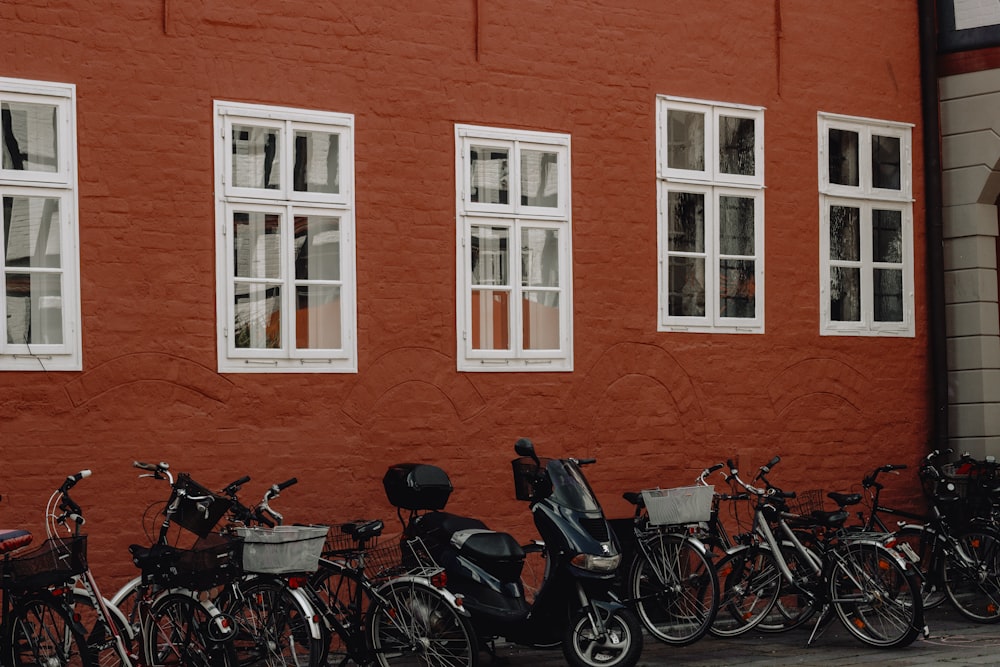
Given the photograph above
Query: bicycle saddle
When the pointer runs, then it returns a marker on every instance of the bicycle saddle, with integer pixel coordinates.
(844, 499)
(13, 538)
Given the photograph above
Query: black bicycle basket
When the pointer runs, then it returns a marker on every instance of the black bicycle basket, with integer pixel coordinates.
(213, 561)
(55, 561)
(198, 508)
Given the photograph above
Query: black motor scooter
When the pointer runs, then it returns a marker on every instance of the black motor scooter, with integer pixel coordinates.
(573, 607)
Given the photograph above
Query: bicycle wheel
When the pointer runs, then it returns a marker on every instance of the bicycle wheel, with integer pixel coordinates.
(272, 626)
(675, 588)
(923, 549)
(415, 624)
(749, 583)
(179, 633)
(972, 575)
(796, 602)
(101, 643)
(41, 632)
(343, 601)
(875, 596)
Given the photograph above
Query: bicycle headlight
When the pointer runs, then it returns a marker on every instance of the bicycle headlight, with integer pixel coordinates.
(593, 563)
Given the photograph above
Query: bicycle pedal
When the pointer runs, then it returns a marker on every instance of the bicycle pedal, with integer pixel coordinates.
(927, 632)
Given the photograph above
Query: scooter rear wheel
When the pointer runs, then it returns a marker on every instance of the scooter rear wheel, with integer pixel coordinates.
(619, 646)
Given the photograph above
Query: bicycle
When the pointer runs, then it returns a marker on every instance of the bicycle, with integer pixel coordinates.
(672, 582)
(962, 566)
(856, 576)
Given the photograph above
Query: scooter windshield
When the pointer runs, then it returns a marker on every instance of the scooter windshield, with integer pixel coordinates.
(570, 488)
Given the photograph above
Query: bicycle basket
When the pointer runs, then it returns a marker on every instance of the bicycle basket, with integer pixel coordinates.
(198, 509)
(680, 505)
(805, 502)
(53, 562)
(214, 560)
(527, 475)
(282, 549)
(340, 540)
(409, 556)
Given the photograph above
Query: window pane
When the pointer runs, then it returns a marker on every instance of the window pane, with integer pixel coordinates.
(737, 288)
(490, 260)
(736, 225)
(317, 317)
(540, 316)
(736, 145)
(489, 175)
(886, 164)
(257, 245)
(257, 316)
(30, 141)
(845, 294)
(845, 233)
(31, 232)
(888, 295)
(685, 140)
(539, 178)
(540, 257)
(34, 308)
(317, 247)
(686, 222)
(887, 236)
(490, 320)
(256, 157)
(317, 165)
(686, 287)
(843, 146)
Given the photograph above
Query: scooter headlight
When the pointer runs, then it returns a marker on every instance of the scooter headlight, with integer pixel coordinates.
(593, 563)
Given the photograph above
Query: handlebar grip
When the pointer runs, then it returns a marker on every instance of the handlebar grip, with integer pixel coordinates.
(144, 466)
(287, 483)
(584, 462)
(712, 469)
(729, 462)
(773, 462)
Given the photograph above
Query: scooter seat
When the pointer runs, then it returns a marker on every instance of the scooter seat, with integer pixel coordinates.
(480, 544)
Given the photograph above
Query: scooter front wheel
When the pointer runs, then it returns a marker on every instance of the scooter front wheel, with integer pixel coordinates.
(619, 645)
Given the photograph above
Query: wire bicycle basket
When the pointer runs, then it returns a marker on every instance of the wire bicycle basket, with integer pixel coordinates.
(55, 561)
(679, 506)
(282, 549)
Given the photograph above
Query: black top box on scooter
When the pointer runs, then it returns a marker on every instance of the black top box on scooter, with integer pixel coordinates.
(417, 486)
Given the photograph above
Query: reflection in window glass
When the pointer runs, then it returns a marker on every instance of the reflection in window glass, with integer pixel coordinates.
(539, 178)
(30, 141)
(256, 157)
(257, 245)
(317, 247)
(845, 294)
(736, 225)
(686, 222)
(843, 156)
(540, 257)
(490, 174)
(736, 145)
(34, 308)
(317, 167)
(887, 236)
(888, 295)
(257, 315)
(686, 287)
(737, 288)
(886, 162)
(685, 140)
(490, 319)
(540, 320)
(317, 317)
(845, 233)
(31, 232)
(489, 255)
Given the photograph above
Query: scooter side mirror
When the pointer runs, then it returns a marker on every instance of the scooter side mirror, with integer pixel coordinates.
(524, 447)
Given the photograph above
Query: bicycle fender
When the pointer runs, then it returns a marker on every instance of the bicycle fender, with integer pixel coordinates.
(311, 615)
(900, 559)
(425, 583)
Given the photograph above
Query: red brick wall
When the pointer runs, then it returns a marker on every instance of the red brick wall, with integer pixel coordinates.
(654, 408)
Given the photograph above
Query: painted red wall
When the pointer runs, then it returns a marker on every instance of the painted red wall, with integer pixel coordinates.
(654, 408)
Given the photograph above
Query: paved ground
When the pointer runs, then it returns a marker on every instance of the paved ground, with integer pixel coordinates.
(953, 641)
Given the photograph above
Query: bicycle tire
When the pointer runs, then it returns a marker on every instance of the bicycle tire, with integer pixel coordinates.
(177, 632)
(925, 545)
(101, 644)
(973, 586)
(875, 596)
(41, 631)
(272, 626)
(675, 588)
(343, 602)
(793, 606)
(418, 625)
(749, 583)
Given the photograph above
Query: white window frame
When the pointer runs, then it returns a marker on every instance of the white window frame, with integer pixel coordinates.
(713, 183)
(286, 203)
(60, 184)
(515, 217)
(867, 198)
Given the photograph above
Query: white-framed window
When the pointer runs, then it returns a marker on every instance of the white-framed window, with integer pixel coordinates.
(866, 227)
(285, 240)
(514, 263)
(38, 188)
(710, 210)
